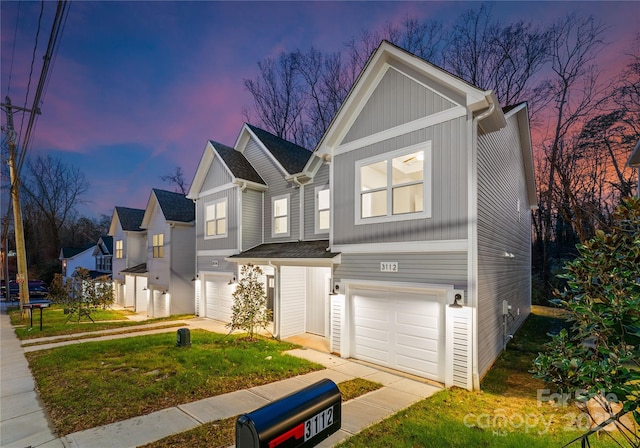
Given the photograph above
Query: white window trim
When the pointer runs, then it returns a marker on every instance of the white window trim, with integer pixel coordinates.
(427, 184)
(273, 217)
(226, 211)
(120, 249)
(317, 190)
(160, 246)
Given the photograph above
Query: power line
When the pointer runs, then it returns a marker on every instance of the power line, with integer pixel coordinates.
(13, 49)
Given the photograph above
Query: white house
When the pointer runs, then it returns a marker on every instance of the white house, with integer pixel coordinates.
(404, 239)
(73, 258)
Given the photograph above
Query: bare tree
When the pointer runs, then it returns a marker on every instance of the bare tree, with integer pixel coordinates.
(178, 181)
(52, 191)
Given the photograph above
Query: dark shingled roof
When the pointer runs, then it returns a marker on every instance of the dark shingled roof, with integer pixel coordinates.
(68, 252)
(297, 249)
(292, 157)
(137, 269)
(175, 206)
(237, 163)
(108, 242)
(130, 218)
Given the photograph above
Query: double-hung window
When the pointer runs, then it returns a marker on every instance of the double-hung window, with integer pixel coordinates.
(158, 245)
(323, 213)
(216, 219)
(394, 186)
(280, 223)
(119, 249)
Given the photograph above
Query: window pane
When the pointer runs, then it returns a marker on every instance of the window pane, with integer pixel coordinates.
(210, 212)
(323, 199)
(373, 176)
(221, 226)
(221, 210)
(211, 228)
(323, 219)
(374, 204)
(280, 225)
(280, 207)
(408, 168)
(408, 199)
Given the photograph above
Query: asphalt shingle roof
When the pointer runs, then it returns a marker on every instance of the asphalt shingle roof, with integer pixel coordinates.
(108, 242)
(130, 218)
(296, 249)
(175, 206)
(68, 252)
(137, 269)
(238, 164)
(292, 157)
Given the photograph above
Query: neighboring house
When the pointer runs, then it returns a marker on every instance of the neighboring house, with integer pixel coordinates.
(129, 258)
(77, 257)
(634, 162)
(169, 220)
(255, 203)
(103, 256)
(404, 239)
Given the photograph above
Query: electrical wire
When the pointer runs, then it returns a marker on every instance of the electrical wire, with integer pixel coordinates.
(13, 49)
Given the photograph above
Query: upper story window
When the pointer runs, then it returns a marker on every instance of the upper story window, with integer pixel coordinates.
(280, 207)
(158, 245)
(394, 186)
(215, 219)
(119, 249)
(323, 213)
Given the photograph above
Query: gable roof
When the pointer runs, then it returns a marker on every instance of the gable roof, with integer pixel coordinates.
(70, 252)
(290, 156)
(175, 206)
(387, 55)
(290, 252)
(104, 246)
(237, 163)
(130, 218)
(521, 112)
(634, 158)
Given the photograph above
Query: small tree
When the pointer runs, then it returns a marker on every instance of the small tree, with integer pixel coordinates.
(249, 311)
(600, 353)
(81, 295)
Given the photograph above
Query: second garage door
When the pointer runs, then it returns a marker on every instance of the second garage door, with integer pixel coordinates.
(402, 331)
(218, 298)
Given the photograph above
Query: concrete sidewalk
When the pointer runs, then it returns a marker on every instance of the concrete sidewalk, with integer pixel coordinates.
(25, 424)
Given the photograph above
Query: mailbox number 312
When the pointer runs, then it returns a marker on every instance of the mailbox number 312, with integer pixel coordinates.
(318, 423)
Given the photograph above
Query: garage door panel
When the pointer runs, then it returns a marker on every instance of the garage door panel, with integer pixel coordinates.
(218, 299)
(400, 330)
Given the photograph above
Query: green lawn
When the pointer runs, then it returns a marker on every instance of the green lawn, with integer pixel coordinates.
(96, 383)
(506, 413)
(54, 322)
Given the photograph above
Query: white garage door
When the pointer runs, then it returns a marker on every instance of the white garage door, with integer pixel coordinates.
(218, 300)
(402, 331)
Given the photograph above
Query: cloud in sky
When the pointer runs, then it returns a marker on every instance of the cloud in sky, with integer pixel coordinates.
(139, 87)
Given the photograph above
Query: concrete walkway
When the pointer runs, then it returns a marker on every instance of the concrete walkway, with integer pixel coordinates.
(25, 424)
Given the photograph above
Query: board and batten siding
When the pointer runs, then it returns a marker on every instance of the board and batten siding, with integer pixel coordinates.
(182, 269)
(265, 166)
(293, 291)
(433, 268)
(320, 179)
(252, 218)
(504, 240)
(397, 99)
(216, 176)
(159, 269)
(231, 240)
(448, 189)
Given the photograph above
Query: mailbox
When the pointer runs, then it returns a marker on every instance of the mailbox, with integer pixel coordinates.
(301, 419)
(184, 338)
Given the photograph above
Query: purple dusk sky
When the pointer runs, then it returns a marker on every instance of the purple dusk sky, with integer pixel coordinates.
(138, 88)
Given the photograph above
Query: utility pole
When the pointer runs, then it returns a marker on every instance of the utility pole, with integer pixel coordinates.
(22, 278)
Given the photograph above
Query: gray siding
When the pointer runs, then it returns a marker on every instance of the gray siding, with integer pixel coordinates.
(264, 165)
(182, 270)
(449, 189)
(252, 216)
(204, 264)
(231, 240)
(321, 179)
(439, 268)
(396, 100)
(216, 176)
(501, 182)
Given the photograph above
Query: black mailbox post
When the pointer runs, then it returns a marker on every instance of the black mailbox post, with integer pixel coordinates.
(301, 419)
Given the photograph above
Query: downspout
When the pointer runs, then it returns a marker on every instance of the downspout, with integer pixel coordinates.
(239, 214)
(473, 240)
(276, 300)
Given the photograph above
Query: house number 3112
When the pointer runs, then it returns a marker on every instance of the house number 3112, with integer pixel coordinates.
(388, 266)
